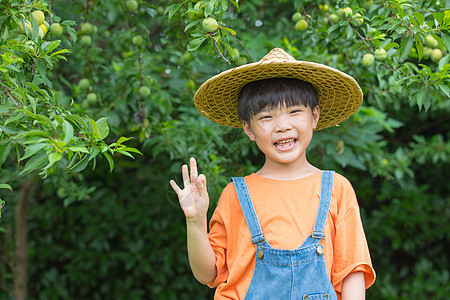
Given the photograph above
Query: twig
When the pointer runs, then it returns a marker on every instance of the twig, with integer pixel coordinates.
(141, 112)
(369, 47)
(246, 50)
(220, 53)
(10, 96)
(50, 9)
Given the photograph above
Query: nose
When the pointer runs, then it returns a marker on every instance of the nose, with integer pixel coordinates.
(283, 123)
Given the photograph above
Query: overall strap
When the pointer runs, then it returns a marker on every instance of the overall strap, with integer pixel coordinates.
(326, 187)
(248, 209)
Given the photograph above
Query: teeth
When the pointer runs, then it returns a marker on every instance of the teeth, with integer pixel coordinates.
(284, 143)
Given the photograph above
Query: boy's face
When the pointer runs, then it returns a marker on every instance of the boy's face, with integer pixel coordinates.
(283, 133)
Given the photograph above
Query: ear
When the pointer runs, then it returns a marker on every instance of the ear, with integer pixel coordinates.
(248, 130)
(315, 116)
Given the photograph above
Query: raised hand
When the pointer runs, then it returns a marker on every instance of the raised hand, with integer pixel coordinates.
(194, 199)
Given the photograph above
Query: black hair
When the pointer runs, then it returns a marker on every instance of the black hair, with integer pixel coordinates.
(274, 92)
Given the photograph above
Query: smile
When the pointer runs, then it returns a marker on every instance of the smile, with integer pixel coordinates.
(285, 144)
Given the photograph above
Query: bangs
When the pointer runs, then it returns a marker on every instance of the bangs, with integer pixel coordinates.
(274, 92)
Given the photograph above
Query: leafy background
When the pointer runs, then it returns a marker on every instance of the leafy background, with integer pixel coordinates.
(97, 234)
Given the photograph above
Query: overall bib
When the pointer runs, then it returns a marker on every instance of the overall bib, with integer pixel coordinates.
(289, 274)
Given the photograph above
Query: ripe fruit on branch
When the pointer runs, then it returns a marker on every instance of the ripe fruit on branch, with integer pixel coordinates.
(144, 91)
(190, 84)
(27, 24)
(436, 55)
(85, 28)
(380, 54)
(84, 84)
(358, 19)
(132, 5)
(347, 12)
(431, 42)
(30, 45)
(91, 98)
(38, 16)
(296, 17)
(333, 18)
(43, 28)
(85, 40)
(209, 24)
(368, 60)
(301, 25)
(427, 52)
(56, 29)
(138, 40)
(235, 55)
(323, 7)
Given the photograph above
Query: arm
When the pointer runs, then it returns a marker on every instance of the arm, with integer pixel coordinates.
(194, 201)
(354, 287)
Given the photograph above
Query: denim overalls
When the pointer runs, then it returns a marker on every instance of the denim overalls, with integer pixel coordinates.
(289, 274)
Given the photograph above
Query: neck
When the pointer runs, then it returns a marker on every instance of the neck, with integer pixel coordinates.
(287, 171)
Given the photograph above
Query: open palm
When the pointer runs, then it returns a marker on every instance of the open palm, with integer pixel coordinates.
(194, 199)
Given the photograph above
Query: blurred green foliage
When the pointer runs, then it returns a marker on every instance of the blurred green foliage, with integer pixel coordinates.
(121, 235)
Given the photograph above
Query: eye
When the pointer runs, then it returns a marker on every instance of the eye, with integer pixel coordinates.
(296, 111)
(266, 117)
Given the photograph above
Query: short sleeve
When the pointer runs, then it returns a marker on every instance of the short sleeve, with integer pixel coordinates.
(218, 238)
(351, 252)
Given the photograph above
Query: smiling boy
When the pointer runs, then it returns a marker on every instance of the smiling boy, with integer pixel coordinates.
(290, 230)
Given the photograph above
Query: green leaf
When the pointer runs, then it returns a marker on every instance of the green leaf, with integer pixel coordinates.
(79, 149)
(172, 9)
(195, 43)
(123, 139)
(68, 132)
(420, 99)
(224, 4)
(5, 149)
(191, 24)
(33, 149)
(235, 3)
(406, 47)
(129, 149)
(43, 72)
(419, 47)
(80, 165)
(35, 162)
(14, 119)
(125, 153)
(229, 30)
(32, 103)
(5, 186)
(390, 45)
(209, 8)
(349, 31)
(439, 16)
(446, 40)
(103, 127)
(52, 46)
(419, 17)
(52, 158)
(110, 161)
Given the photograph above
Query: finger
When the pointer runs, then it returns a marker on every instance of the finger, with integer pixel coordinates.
(194, 172)
(202, 177)
(185, 173)
(201, 186)
(175, 187)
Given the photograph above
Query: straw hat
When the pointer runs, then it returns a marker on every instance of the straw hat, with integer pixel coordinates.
(339, 94)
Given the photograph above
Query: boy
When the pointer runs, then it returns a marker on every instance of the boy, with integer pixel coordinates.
(290, 230)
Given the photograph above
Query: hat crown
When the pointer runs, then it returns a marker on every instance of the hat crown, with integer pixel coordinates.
(277, 54)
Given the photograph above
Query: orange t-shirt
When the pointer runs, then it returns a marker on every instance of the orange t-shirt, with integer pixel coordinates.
(287, 210)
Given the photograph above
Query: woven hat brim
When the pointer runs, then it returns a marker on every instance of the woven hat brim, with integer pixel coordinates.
(339, 94)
